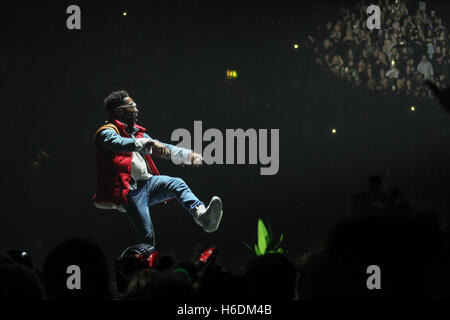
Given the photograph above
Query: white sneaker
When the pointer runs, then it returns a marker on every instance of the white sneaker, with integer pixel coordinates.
(210, 217)
(199, 214)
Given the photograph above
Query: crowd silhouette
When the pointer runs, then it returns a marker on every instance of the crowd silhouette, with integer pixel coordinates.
(411, 249)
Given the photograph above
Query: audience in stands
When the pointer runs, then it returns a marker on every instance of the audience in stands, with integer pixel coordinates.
(410, 47)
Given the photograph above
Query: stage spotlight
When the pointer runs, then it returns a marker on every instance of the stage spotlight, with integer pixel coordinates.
(333, 131)
(413, 108)
(124, 13)
(296, 46)
(232, 74)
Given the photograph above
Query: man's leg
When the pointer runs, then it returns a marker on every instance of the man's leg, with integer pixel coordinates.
(161, 188)
(139, 214)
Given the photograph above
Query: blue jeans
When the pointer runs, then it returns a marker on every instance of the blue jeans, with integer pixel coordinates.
(156, 190)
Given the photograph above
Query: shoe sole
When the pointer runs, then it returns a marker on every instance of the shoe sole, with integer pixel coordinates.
(215, 216)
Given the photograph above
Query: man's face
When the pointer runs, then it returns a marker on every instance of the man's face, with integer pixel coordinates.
(129, 114)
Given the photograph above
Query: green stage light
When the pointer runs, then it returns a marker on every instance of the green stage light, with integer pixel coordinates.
(266, 243)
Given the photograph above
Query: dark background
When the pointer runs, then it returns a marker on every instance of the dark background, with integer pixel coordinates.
(171, 56)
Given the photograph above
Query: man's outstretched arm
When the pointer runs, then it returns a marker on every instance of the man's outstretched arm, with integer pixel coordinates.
(178, 155)
(112, 141)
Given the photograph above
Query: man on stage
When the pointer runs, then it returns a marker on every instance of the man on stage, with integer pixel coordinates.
(127, 178)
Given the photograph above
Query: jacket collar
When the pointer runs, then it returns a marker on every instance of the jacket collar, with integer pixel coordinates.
(140, 128)
(122, 126)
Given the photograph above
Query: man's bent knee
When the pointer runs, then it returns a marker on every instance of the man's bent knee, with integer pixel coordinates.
(178, 182)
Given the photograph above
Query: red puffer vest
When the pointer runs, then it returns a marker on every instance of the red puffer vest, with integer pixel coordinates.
(114, 169)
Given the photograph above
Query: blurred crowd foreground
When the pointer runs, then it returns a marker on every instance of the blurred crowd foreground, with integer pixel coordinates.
(409, 251)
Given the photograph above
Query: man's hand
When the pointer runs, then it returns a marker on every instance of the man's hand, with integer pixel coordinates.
(147, 145)
(161, 150)
(157, 147)
(196, 159)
